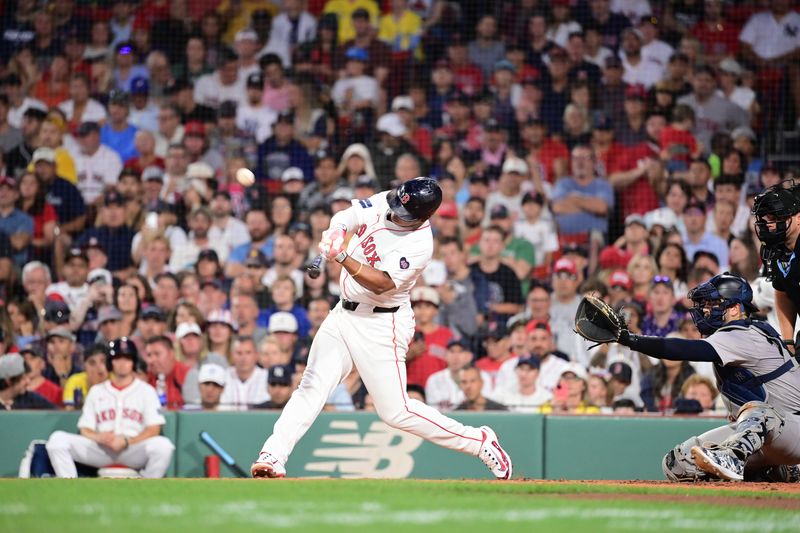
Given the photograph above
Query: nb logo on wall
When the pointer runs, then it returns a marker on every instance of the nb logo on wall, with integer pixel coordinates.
(382, 452)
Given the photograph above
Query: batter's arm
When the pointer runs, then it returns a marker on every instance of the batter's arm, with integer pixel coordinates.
(370, 278)
(787, 315)
(346, 218)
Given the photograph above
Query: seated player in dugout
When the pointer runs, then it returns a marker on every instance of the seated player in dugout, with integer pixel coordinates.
(757, 376)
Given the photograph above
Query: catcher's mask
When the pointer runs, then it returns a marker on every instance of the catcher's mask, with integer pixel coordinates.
(780, 202)
(712, 298)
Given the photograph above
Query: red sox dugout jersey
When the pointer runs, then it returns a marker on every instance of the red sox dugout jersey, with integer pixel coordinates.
(125, 412)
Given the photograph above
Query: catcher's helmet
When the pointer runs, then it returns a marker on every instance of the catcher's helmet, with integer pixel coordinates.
(415, 199)
(713, 297)
(122, 347)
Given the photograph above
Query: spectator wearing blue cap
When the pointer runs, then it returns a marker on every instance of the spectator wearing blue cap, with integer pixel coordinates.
(143, 112)
(356, 90)
(279, 386)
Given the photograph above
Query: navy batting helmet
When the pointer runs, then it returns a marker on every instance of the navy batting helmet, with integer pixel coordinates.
(712, 298)
(415, 199)
(122, 347)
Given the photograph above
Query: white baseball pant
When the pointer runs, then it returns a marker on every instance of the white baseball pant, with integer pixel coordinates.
(376, 343)
(150, 457)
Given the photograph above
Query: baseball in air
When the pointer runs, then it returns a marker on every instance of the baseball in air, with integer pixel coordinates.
(245, 177)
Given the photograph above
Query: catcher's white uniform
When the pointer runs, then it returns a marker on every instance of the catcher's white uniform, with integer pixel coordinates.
(371, 331)
(125, 412)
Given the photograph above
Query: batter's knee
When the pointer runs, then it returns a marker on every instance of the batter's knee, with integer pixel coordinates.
(396, 417)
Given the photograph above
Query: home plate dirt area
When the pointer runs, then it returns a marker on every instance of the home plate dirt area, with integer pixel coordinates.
(394, 505)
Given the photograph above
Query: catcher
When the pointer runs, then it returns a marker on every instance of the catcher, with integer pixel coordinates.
(757, 376)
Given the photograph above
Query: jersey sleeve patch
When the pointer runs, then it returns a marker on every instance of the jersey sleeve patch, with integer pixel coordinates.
(365, 203)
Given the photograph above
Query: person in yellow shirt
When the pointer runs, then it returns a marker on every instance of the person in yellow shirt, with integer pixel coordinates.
(402, 29)
(344, 9)
(51, 135)
(570, 396)
(95, 371)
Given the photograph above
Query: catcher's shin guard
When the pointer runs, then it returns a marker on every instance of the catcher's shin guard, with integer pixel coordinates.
(756, 423)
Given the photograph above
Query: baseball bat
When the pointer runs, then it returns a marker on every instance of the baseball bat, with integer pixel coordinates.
(209, 441)
(315, 268)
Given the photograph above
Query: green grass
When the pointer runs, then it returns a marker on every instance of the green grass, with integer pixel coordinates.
(383, 506)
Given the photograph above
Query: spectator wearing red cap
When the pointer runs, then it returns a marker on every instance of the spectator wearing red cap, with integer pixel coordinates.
(619, 287)
(565, 304)
(631, 131)
(581, 202)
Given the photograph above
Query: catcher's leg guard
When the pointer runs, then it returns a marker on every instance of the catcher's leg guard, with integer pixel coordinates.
(756, 424)
(678, 464)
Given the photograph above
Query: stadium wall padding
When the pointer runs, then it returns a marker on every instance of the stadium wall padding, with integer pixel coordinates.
(360, 445)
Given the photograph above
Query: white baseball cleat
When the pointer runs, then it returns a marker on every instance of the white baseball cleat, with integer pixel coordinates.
(267, 466)
(493, 455)
(719, 462)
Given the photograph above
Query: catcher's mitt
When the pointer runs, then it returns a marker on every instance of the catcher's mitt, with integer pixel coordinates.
(596, 321)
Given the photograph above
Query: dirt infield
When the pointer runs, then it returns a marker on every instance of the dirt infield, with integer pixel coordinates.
(765, 495)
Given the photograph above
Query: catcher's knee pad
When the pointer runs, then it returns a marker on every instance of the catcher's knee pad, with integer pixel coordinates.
(679, 466)
(760, 416)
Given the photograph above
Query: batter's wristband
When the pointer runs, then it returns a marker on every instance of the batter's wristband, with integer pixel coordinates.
(341, 257)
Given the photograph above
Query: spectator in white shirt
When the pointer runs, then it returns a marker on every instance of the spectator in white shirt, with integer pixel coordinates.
(355, 90)
(97, 165)
(75, 271)
(638, 71)
(80, 108)
(18, 100)
(292, 27)
(526, 397)
(252, 116)
(246, 46)
(654, 49)
(246, 382)
(771, 39)
(228, 230)
(184, 257)
(225, 83)
(537, 226)
(170, 129)
(442, 390)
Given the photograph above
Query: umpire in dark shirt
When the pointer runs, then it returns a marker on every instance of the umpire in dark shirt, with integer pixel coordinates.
(113, 235)
(777, 212)
(12, 386)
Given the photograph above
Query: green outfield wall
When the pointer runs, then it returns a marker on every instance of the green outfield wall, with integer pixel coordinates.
(360, 445)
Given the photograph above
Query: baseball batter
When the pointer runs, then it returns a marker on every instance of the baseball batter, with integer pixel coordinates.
(120, 423)
(371, 327)
(758, 378)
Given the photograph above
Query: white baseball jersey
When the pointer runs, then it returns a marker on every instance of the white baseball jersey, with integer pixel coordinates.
(524, 403)
(747, 351)
(126, 412)
(442, 392)
(251, 391)
(403, 253)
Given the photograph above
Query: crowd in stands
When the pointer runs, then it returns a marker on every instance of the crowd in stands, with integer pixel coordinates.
(611, 147)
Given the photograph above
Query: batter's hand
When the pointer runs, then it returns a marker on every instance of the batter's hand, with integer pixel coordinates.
(332, 242)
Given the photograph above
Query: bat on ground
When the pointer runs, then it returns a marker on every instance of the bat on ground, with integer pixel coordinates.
(220, 452)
